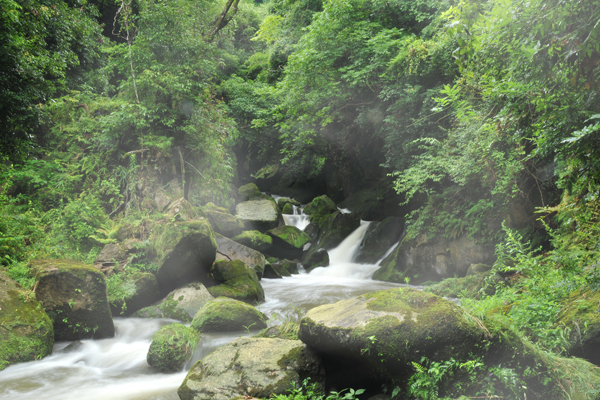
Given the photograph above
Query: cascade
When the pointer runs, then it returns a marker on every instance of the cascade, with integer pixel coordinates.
(298, 219)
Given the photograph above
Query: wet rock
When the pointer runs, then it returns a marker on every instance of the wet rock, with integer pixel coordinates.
(138, 290)
(228, 315)
(381, 333)
(288, 209)
(254, 240)
(425, 259)
(229, 250)
(74, 296)
(251, 192)
(222, 221)
(72, 347)
(260, 215)
(318, 258)
(271, 272)
(283, 201)
(333, 228)
(112, 256)
(288, 241)
(290, 265)
(280, 270)
(321, 205)
(185, 252)
(181, 210)
(378, 239)
(172, 347)
(236, 280)
(26, 332)
(258, 367)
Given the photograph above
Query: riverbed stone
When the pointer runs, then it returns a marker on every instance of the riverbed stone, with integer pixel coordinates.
(255, 240)
(182, 303)
(228, 315)
(288, 242)
(282, 201)
(378, 239)
(260, 215)
(318, 258)
(172, 347)
(185, 252)
(222, 221)
(236, 280)
(138, 290)
(74, 296)
(321, 205)
(227, 249)
(26, 332)
(288, 208)
(256, 367)
(251, 192)
(332, 229)
(383, 332)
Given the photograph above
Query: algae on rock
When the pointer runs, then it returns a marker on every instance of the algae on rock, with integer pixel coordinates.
(235, 280)
(172, 347)
(226, 315)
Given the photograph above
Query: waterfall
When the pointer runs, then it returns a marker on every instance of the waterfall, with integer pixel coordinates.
(298, 219)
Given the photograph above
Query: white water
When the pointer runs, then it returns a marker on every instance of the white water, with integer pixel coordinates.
(298, 219)
(116, 368)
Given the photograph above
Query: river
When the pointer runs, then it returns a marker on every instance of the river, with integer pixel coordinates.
(116, 368)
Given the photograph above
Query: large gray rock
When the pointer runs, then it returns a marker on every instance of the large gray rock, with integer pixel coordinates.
(74, 296)
(182, 303)
(227, 249)
(258, 367)
(185, 252)
(254, 240)
(426, 259)
(222, 221)
(288, 242)
(172, 347)
(26, 332)
(227, 315)
(112, 255)
(379, 238)
(260, 215)
(379, 334)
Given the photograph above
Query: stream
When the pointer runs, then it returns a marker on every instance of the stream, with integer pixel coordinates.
(116, 368)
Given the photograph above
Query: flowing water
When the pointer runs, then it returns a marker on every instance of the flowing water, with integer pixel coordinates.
(116, 368)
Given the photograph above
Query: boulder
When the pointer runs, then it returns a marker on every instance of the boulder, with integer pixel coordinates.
(332, 229)
(235, 280)
(182, 303)
(112, 257)
(185, 252)
(288, 208)
(172, 347)
(222, 221)
(468, 287)
(282, 201)
(251, 192)
(321, 205)
(290, 265)
(271, 272)
(288, 241)
(475, 269)
(258, 367)
(314, 259)
(228, 249)
(433, 259)
(378, 239)
(181, 210)
(228, 315)
(26, 332)
(280, 271)
(260, 215)
(379, 334)
(74, 296)
(135, 292)
(254, 240)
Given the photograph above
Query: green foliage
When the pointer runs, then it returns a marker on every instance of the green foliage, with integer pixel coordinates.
(308, 391)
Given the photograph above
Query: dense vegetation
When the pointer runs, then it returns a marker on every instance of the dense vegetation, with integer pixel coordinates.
(482, 116)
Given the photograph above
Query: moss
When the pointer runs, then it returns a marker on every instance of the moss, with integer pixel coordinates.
(321, 205)
(168, 308)
(291, 235)
(251, 192)
(26, 332)
(172, 347)
(236, 280)
(469, 287)
(288, 209)
(225, 314)
(254, 239)
(581, 313)
(287, 330)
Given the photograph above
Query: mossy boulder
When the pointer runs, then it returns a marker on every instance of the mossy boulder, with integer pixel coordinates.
(222, 221)
(288, 242)
(251, 192)
(172, 347)
(181, 304)
(74, 296)
(228, 315)
(321, 205)
(136, 291)
(227, 249)
(254, 240)
(236, 280)
(332, 229)
(283, 201)
(181, 210)
(26, 332)
(287, 330)
(280, 269)
(260, 215)
(379, 238)
(112, 256)
(271, 272)
(288, 208)
(185, 252)
(475, 269)
(381, 333)
(314, 259)
(581, 314)
(258, 367)
(471, 287)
